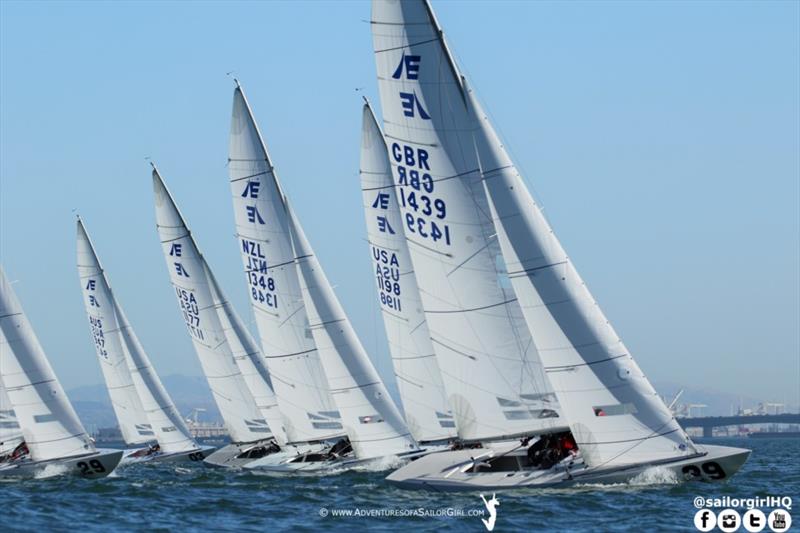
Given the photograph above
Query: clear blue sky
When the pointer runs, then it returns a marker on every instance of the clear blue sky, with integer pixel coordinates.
(661, 137)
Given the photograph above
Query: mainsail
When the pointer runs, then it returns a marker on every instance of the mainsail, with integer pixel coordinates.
(124, 360)
(193, 289)
(308, 410)
(49, 424)
(489, 364)
(371, 419)
(418, 377)
(105, 332)
(614, 412)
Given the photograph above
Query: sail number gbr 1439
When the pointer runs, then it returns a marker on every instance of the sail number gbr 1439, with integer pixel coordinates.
(425, 214)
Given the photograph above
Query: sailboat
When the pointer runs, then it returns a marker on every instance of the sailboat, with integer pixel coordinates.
(55, 441)
(419, 379)
(618, 426)
(230, 359)
(491, 372)
(334, 403)
(310, 418)
(145, 412)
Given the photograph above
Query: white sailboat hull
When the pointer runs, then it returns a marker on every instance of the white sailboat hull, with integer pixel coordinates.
(455, 471)
(287, 463)
(197, 455)
(93, 465)
(228, 456)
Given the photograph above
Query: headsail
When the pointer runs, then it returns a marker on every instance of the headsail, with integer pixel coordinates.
(265, 245)
(490, 368)
(249, 359)
(418, 377)
(615, 414)
(371, 419)
(116, 341)
(105, 332)
(187, 271)
(49, 424)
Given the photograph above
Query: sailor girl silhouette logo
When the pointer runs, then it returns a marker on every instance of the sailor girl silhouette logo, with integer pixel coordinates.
(491, 506)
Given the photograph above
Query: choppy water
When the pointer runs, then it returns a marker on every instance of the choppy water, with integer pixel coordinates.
(195, 498)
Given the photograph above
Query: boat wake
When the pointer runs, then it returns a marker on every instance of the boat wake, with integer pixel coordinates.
(381, 464)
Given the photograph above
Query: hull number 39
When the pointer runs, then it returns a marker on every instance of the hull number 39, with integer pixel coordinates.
(710, 470)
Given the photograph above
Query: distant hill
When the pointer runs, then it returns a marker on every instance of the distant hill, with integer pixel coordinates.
(188, 392)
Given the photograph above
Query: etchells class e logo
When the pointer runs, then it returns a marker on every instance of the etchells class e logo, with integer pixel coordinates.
(408, 69)
(491, 506)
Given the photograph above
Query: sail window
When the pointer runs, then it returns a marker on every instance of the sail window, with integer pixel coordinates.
(370, 419)
(49, 417)
(517, 415)
(614, 410)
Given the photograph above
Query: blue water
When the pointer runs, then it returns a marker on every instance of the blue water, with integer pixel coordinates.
(195, 498)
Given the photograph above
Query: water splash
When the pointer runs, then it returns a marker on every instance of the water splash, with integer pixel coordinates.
(51, 470)
(657, 475)
(381, 464)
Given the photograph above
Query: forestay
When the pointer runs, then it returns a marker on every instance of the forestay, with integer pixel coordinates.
(119, 342)
(369, 416)
(49, 424)
(614, 412)
(104, 329)
(489, 365)
(262, 227)
(187, 273)
(419, 380)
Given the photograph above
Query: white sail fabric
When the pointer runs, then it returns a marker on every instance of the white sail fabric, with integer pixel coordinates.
(161, 420)
(490, 368)
(49, 424)
(187, 272)
(369, 415)
(105, 332)
(615, 414)
(265, 245)
(10, 432)
(250, 361)
(419, 380)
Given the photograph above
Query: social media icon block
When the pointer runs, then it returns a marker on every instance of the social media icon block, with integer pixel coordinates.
(705, 520)
(729, 520)
(779, 520)
(754, 520)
